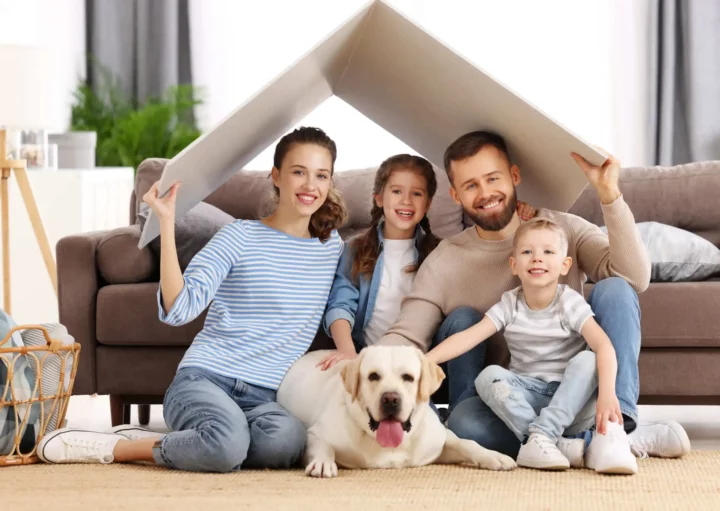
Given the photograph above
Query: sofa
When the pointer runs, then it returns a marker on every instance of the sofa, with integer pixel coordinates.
(107, 286)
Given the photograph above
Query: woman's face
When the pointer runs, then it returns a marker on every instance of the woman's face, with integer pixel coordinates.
(304, 179)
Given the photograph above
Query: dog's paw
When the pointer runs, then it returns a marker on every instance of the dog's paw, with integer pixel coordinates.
(496, 461)
(322, 468)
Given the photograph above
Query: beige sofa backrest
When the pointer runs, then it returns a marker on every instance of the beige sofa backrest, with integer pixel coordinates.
(248, 193)
(684, 196)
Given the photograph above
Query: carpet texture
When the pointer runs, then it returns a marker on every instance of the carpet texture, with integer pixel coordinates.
(689, 483)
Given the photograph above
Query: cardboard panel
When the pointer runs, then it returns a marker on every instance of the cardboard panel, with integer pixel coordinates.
(213, 158)
(424, 93)
(406, 81)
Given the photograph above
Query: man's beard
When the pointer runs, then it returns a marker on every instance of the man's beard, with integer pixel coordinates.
(495, 221)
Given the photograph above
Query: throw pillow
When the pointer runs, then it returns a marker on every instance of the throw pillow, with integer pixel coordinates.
(21, 388)
(192, 231)
(677, 255)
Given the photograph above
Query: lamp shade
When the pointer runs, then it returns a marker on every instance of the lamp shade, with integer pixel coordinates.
(25, 87)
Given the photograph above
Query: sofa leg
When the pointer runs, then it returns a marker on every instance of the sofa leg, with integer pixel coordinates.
(144, 414)
(119, 411)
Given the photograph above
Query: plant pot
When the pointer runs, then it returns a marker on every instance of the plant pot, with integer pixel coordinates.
(76, 149)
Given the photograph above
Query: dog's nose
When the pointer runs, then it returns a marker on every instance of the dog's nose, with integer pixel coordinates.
(390, 403)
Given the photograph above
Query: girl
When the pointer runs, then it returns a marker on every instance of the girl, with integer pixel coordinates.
(377, 268)
(267, 283)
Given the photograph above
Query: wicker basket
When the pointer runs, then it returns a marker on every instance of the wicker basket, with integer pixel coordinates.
(52, 402)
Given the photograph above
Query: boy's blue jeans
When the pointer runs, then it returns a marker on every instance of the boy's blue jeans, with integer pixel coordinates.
(221, 424)
(529, 405)
(616, 309)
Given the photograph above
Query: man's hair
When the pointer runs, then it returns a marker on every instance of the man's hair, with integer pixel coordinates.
(470, 144)
(541, 223)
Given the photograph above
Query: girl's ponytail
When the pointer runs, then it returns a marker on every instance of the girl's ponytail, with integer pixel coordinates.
(428, 244)
(366, 247)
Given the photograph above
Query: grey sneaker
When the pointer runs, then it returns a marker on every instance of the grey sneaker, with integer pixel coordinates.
(131, 432)
(542, 453)
(77, 446)
(666, 439)
(574, 450)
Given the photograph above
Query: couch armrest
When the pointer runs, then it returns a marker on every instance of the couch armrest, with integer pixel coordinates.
(120, 261)
(78, 285)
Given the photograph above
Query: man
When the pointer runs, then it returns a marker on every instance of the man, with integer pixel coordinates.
(468, 273)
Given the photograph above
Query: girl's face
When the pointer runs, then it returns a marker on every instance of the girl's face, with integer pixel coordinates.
(304, 179)
(404, 201)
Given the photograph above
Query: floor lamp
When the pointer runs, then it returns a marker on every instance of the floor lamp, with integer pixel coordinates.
(25, 104)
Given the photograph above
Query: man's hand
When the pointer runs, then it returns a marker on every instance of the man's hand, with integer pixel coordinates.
(608, 408)
(333, 358)
(604, 179)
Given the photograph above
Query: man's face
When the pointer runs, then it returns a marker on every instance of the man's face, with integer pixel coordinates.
(484, 185)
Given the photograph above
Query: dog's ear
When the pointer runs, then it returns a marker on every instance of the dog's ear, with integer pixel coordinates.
(351, 375)
(431, 376)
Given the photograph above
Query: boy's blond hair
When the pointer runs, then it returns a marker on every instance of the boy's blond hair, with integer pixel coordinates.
(541, 223)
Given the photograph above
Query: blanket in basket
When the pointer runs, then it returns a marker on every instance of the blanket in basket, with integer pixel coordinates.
(24, 381)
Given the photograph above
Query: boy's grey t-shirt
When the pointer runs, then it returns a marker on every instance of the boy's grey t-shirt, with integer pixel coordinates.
(542, 342)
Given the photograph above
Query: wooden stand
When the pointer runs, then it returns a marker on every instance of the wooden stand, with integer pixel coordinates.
(19, 168)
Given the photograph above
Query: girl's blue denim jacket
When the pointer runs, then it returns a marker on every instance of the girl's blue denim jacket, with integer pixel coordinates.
(355, 301)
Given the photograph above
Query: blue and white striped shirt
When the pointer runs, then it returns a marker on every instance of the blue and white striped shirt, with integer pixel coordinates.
(268, 291)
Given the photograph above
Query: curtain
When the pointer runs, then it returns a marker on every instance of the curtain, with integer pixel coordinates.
(685, 81)
(145, 43)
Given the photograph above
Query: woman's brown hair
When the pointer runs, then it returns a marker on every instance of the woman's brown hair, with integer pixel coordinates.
(332, 214)
(367, 246)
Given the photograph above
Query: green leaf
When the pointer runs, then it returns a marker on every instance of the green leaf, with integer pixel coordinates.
(129, 130)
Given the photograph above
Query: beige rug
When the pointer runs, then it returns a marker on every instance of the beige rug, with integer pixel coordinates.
(689, 483)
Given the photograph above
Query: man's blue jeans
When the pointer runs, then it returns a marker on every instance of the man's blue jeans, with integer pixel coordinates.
(616, 309)
(461, 371)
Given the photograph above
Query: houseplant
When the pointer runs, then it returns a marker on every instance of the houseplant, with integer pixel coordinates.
(129, 130)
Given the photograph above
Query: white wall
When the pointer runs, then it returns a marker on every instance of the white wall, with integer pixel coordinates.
(631, 58)
(582, 62)
(564, 56)
(58, 25)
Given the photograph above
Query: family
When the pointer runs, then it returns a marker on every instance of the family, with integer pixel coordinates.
(568, 397)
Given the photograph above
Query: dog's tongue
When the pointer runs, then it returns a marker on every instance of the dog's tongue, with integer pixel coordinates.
(389, 433)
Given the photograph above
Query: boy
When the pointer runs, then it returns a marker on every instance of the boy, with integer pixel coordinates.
(552, 374)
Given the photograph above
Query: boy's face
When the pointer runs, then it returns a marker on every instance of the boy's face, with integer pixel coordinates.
(539, 259)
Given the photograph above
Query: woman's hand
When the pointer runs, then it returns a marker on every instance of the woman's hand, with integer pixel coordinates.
(333, 358)
(525, 210)
(163, 207)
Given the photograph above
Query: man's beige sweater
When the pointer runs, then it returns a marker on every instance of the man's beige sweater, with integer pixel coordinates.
(468, 271)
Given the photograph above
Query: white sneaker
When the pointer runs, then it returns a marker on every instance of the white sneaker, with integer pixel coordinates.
(660, 439)
(574, 450)
(610, 453)
(77, 446)
(542, 453)
(131, 432)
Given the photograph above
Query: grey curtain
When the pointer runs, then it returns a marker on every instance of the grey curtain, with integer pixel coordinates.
(685, 81)
(145, 43)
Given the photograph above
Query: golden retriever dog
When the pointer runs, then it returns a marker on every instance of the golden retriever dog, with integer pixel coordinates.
(374, 412)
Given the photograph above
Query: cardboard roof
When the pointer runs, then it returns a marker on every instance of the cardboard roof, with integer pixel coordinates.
(406, 81)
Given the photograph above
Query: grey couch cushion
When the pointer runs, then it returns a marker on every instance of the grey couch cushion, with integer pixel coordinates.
(678, 255)
(683, 196)
(192, 231)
